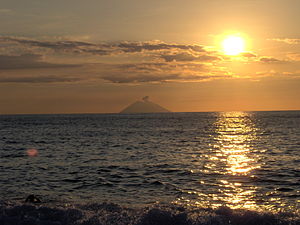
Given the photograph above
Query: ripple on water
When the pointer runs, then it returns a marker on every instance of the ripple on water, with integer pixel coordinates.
(239, 159)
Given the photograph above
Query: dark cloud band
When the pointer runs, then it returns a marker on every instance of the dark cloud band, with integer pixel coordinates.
(27, 61)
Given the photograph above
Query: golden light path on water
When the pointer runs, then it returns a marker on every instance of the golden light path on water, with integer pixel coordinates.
(235, 133)
(228, 164)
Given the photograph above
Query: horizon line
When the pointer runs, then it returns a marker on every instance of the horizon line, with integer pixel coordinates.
(118, 113)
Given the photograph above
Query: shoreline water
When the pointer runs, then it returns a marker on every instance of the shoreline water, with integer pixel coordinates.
(16, 212)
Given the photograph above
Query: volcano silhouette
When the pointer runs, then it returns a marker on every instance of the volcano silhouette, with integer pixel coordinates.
(144, 106)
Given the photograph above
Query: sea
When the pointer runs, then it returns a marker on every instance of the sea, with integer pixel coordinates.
(147, 169)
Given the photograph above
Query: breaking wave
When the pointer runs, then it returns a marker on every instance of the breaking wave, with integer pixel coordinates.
(17, 213)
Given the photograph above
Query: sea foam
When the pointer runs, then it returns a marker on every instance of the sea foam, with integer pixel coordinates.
(17, 213)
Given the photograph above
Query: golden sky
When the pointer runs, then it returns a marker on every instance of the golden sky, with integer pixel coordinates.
(94, 56)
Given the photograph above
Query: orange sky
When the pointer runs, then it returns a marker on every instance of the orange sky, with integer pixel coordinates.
(100, 56)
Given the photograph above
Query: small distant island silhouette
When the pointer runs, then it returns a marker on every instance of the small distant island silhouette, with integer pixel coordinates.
(144, 106)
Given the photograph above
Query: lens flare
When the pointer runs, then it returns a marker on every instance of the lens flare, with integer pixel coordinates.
(32, 152)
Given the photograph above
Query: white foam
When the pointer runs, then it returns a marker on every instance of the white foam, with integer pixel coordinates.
(108, 213)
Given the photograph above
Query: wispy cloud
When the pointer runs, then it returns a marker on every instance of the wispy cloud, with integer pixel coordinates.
(162, 72)
(291, 41)
(156, 46)
(6, 11)
(80, 47)
(278, 74)
(249, 55)
(270, 60)
(294, 56)
(27, 61)
(163, 62)
(39, 79)
(188, 57)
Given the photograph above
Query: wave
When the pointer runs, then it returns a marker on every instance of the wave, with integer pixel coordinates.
(17, 213)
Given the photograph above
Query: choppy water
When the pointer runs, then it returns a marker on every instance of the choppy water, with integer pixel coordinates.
(238, 159)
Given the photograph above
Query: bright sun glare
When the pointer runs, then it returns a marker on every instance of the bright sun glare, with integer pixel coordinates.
(233, 45)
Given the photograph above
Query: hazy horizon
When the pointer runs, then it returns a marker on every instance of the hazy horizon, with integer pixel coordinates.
(88, 113)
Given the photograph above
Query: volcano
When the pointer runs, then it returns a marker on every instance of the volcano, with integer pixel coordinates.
(144, 106)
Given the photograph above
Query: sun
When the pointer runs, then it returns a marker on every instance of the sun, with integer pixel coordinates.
(233, 45)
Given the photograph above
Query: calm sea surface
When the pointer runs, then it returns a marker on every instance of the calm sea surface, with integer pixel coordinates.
(239, 159)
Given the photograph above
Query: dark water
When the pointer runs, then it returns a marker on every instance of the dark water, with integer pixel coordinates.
(247, 160)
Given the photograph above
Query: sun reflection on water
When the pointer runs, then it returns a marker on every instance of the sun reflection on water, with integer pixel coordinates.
(234, 158)
(226, 168)
(235, 131)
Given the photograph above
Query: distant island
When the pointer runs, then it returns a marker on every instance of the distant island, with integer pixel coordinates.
(144, 106)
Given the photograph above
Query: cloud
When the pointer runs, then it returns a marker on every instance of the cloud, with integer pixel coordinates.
(279, 74)
(161, 68)
(156, 46)
(291, 41)
(161, 72)
(158, 78)
(270, 60)
(125, 73)
(6, 11)
(129, 79)
(40, 79)
(294, 56)
(102, 49)
(60, 46)
(144, 67)
(248, 55)
(186, 57)
(267, 73)
(136, 78)
(27, 61)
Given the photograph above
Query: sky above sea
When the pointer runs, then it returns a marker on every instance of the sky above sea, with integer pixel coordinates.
(99, 56)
